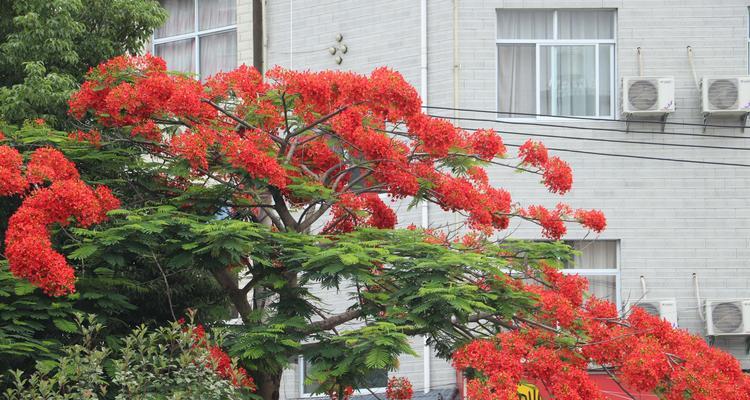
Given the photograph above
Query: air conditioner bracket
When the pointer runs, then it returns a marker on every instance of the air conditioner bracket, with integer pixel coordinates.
(743, 120)
(662, 119)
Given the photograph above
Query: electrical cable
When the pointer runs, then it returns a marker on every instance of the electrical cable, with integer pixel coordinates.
(495, 121)
(599, 119)
(697, 146)
(641, 157)
(633, 156)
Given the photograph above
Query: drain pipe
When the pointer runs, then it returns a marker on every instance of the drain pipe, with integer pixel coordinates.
(427, 351)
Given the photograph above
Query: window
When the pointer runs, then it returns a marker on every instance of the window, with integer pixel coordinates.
(598, 261)
(200, 36)
(556, 62)
(377, 380)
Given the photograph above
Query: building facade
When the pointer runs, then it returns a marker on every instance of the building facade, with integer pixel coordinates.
(678, 233)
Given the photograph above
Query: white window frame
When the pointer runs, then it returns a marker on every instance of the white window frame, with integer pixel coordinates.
(603, 271)
(301, 375)
(561, 42)
(195, 35)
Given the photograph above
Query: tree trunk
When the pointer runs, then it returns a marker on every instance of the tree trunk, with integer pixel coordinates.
(268, 385)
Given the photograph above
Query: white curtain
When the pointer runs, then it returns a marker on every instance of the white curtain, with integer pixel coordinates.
(516, 79)
(585, 24)
(178, 55)
(524, 24)
(218, 53)
(603, 287)
(594, 254)
(181, 18)
(216, 13)
(570, 73)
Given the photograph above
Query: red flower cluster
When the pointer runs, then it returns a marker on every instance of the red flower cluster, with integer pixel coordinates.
(553, 221)
(344, 133)
(399, 389)
(558, 176)
(363, 210)
(568, 334)
(220, 360)
(66, 199)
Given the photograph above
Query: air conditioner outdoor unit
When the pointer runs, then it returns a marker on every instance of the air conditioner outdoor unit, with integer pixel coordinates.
(727, 317)
(726, 95)
(665, 308)
(647, 96)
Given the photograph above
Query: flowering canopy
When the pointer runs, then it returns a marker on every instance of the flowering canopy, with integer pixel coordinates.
(306, 135)
(568, 334)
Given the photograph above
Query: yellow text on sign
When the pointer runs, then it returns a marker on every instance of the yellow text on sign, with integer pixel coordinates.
(528, 392)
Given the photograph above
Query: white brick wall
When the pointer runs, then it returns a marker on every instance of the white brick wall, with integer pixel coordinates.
(672, 219)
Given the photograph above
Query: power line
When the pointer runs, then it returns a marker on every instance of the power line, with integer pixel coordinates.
(698, 146)
(643, 121)
(641, 157)
(679, 160)
(495, 121)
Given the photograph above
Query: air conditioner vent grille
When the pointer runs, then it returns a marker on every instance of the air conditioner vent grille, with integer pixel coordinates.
(723, 94)
(650, 308)
(727, 317)
(643, 95)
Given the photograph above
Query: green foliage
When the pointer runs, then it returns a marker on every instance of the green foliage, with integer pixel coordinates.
(46, 46)
(159, 364)
(123, 288)
(28, 321)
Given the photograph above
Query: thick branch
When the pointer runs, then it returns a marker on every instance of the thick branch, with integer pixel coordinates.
(236, 295)
(334, 321)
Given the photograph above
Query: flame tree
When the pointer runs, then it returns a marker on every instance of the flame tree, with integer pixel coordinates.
(276, 184)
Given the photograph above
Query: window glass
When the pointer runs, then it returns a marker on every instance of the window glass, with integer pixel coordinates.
(181, 18)
(541, 72)
(218, 53)
(517, 78)
(570, 77)
(594, 254)
(586, 24)
(216, 13)
(178, 55)
(524, 24)
(203, 46)
(603, 287)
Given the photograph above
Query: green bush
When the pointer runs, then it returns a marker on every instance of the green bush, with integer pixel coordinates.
(146, 365)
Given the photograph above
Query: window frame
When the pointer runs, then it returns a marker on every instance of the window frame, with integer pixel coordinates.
(301, 376)
(195, 35)
(616, 271)
(538, 43)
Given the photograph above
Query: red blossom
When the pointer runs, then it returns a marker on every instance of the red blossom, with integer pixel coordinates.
(642, 351)
(558, 176)
(533, 153)
(399, 389)
(592, 219)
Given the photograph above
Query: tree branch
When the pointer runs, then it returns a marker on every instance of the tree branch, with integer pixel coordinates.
(333, 321)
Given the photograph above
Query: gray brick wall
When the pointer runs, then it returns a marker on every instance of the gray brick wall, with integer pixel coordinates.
(672, 219)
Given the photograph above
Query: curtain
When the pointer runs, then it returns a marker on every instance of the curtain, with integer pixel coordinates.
(570, 73)
(524, 24)
(181, 18)
(178, 55)
(586, 24)
(216, 13)
(594, 254)
(516, 79)
(218, 53)
(603, 287)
